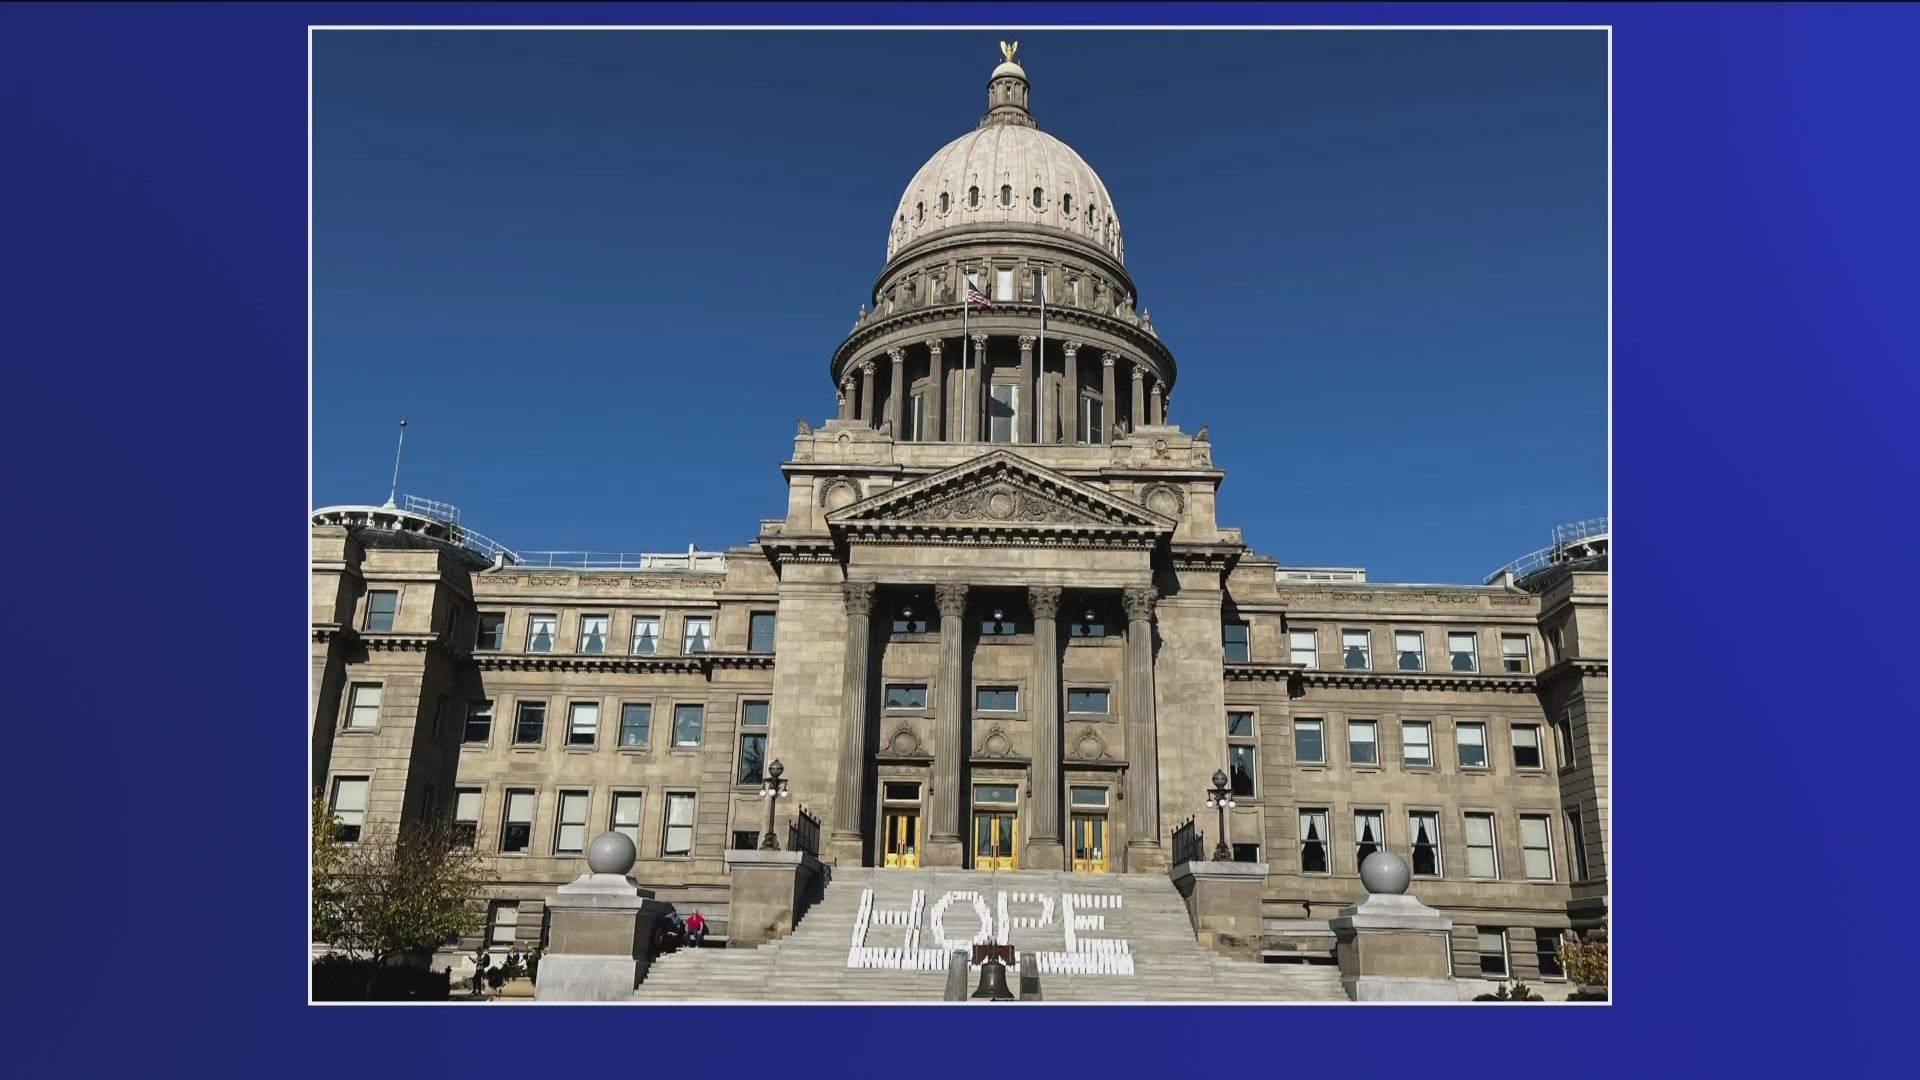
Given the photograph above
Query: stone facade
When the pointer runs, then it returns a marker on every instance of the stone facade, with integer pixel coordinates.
(981, 634)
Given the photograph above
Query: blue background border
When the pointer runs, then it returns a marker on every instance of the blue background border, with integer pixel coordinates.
(1766, 164)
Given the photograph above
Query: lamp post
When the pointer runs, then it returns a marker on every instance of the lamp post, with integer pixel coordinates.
(1221, 798)
(772, 789)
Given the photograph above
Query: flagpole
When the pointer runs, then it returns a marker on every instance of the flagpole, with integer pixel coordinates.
(966, 386)
(1040, 391)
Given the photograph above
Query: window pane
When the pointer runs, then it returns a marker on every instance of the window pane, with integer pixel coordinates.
(349, 796)
(636, 724)
(1410, 650)
(1235, 640)
(997, 699)
(479, 722)
(1089, 796)
(1239, 724)
(540, 633)
(1302, 648)
(583, 723)
(1424, 829)
(687, 722)
(1306, 741)
(1472, 739)
(1526, 747)
(1417, 744)
(380, 608)
(1362, 748)
(466, 805)
(699, 633)
(363, 709)
(1536, 846)
(646, 637)
(996, 793)
(1313, 841)
(1356, 649)
(1546, 946)
(1369, 835)
(1087, 701)
(493, 631)
(753, 714)
(753, 756)
(1462, 648)
(903, 792)
(530, 725)
(1002, 408)
(1480, 854)
(1493, 953)
(760, 636)
(906, 697)
(1240, 767)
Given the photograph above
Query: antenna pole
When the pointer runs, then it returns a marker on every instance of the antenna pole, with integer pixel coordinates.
(395, 489)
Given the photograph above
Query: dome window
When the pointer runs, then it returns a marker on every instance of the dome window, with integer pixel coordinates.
(1066, 206)
(945, 202)
(919, 213)
(1039, 198)
(973, 198)
(1006, 194)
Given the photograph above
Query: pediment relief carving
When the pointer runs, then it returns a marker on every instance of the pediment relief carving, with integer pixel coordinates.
(1000, 490)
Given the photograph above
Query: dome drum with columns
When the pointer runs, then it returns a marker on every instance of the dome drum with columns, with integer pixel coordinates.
(1017, 211)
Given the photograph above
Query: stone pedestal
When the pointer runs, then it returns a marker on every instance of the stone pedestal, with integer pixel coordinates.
(600, 930)
(1391, 947)
(1223, 901)
(770, 892)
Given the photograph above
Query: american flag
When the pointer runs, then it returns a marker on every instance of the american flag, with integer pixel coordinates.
(975, 296)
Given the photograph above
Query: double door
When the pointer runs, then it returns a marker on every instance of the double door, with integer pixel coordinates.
(900, 840)
(995, 841)
(1089, 843)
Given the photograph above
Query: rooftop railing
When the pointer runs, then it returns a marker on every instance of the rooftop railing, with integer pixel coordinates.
(693, 562)
(1564, 537)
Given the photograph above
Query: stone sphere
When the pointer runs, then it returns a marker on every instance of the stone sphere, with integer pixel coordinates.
(613, 853)
(1385, 872)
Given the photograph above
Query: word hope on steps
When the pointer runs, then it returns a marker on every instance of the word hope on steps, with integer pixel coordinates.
(990, 925)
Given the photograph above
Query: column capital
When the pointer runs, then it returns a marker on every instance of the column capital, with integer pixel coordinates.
(1045, 600)
(898, 354)
(1026, 342)
(1139, 602)
(1139, 373)
(1070, 346)
(1107, 357)
(933, 345)
(846, 383)
(869, 366)
(980, 341)
(951, 598)
(859, 597)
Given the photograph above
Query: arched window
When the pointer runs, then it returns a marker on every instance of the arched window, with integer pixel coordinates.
(1006, 194)
(1090, 209)
(973, 198)
(1039, 198)
(1109, 233)
(944, 202)
(1066, 206)
(919, 213)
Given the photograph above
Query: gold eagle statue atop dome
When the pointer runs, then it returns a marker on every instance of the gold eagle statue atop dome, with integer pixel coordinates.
(1007, 50)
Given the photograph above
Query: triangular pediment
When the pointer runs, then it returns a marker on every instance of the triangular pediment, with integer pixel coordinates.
(1001, 491)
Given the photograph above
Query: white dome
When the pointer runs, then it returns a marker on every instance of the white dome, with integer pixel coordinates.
(1013, 156)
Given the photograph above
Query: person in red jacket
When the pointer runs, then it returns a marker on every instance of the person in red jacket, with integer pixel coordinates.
(696, 930)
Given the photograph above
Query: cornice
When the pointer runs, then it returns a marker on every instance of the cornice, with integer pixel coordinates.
(700, 664)
(999, 535)
(1574, 667)
(1499, 682)
(335, 634)
(1262, 672)
(912, 326)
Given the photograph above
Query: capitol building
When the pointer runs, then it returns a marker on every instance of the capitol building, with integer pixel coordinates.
(996, 628)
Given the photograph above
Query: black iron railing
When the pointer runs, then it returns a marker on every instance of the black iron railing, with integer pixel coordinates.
(803, 833)
(1189, 843)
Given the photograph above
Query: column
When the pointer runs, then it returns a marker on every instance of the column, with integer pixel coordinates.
(846, 398)
(979, 402)
(1143, 757)
(943, 844)
(896, 405)
(1138, 406)
(850, 777)
(1109, 401)
(1158, 405)
(936, 392)
(1043, 849)
(1029, 392)
(1070, 394)
(867, 411)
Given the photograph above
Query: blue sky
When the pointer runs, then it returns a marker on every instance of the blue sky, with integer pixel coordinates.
(601, 273)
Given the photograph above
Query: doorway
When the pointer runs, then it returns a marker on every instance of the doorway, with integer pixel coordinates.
(996, 827)
(900, 824)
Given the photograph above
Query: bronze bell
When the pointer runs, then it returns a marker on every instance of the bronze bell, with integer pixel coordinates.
(993, 981)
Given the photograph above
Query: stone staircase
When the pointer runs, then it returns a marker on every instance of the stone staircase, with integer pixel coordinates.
(1133, 943)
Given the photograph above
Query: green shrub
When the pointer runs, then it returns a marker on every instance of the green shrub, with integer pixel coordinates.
(1511, 991)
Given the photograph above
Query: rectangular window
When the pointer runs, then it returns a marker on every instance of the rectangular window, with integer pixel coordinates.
(363, 707)
(1240, 770)
(760, 632)
(1557, 645)
(1363, 743)
(381, 605)
(516, 832)
(439, 716)
(572, 836)
(636, 724)
(1003, 410)
(1313, 841)
(1423, 830)
(466, 816)
(1463, 651)
(1303, 649)
(491, 635)
(1578, 845)
(1092, 419)
(1003, 284)
(503, 925)
(1239, 725)
(996, 794)
(1493, 952)
(697, 634)
(1248, 853)
(1356, 647)
(1089, 796)
(626, 816)
(1514, 653)
(1472, 742)
(1536, 847)
(1482, 860)
(1409, 647)
(917, 418)
(898, 791)
(1563, 729)
(593, 634)
(1526, 746)
(687, 722)
(1087, 701)
(753, 714)
(753, 757)
(1307, 744)
(349, 808)
(907, 696)
(540, 632)
(1234, 636)
(583, 723)
(1416, 744)
(745, 840)
(530, 723)
(479, 727)
(996, 699)
(679, 839)
(1369, 835)
(1546, 949)
(646, 635)
(999, 622)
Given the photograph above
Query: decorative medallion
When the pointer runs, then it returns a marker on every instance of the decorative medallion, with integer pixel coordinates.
(839, 492)
(905, 743)
(1090, 746)
(996, 744)
(1000, 505)
(1165, 499)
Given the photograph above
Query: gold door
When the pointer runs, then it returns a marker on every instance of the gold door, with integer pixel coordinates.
(1089, 844)
(902, 839)
(994, 846)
